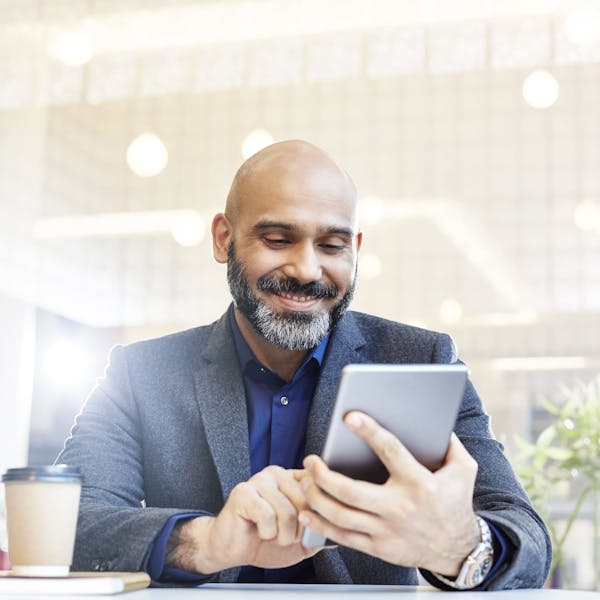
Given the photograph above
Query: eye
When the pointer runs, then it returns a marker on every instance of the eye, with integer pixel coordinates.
(276, 242)
(332, 247)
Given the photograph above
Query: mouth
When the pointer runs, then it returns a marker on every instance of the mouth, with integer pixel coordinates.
(295, 302)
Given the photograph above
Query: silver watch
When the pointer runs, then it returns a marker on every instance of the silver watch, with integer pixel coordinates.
(477, 565)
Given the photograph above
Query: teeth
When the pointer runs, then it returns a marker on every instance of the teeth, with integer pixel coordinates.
(297, 298)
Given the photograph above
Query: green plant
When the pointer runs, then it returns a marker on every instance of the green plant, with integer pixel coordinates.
(564, 462)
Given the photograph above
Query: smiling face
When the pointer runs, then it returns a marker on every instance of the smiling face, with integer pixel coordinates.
(290, 239)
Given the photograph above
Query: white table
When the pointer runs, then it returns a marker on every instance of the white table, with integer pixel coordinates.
(312, 592)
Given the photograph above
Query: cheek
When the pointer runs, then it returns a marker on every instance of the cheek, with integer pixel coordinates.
(258, 264)
(342, 273)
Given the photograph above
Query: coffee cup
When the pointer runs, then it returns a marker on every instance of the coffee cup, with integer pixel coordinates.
(42, 504)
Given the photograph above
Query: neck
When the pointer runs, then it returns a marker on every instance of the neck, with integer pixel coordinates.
(279, 360)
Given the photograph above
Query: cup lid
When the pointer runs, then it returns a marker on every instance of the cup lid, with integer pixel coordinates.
(51, 473)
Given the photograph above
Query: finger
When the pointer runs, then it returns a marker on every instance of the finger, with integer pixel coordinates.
(351, 539)
(286, 514)
(337, 513)
(400, 463)
(358, 494)
(299, 474)
(290, 487)
(250, 505)
(459, 458)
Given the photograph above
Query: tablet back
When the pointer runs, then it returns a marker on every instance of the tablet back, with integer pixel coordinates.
(417, 403)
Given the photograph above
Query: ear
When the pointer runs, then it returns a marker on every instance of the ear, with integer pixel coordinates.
(222, 232)
(359, 239)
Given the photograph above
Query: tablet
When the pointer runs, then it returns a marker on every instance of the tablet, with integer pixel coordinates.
(417, 403)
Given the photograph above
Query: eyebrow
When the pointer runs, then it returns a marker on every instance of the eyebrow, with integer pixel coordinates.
(332, 229)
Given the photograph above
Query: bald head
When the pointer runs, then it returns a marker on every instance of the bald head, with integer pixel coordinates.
(290, 239)
(288, 166)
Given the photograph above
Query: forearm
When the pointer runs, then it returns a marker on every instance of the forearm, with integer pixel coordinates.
(113, 538)
(189, 547)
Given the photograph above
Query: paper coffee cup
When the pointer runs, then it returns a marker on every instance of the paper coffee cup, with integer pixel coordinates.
(42, 504)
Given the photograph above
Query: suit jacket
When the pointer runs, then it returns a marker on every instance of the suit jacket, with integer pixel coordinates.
(165, 431)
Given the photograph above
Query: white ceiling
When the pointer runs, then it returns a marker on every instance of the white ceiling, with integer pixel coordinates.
(476, 189)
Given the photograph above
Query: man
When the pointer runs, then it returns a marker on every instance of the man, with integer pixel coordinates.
(199, 449)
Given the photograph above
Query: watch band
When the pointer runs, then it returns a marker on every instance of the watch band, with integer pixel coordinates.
(477, 565)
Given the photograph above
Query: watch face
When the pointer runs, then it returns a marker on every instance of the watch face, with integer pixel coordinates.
(481, 569)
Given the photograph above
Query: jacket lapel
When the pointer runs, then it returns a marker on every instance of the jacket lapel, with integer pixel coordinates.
(221, 398)
(342, 350)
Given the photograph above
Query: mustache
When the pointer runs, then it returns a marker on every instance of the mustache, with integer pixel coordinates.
(315, 289)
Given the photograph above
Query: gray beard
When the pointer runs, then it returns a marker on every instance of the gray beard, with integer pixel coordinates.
(291, 330)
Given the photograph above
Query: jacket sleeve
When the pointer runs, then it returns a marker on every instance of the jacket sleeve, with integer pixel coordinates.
(498, 497)
(115, 531)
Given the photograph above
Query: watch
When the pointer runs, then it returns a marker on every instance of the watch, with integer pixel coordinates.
(477, 565)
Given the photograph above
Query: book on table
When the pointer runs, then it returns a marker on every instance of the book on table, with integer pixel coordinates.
(76, 583)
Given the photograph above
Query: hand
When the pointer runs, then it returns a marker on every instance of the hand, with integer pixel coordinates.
(258, 526)
(417, 518)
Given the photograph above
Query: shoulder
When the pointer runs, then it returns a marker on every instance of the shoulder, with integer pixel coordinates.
(175, 349)
(400, 341)
(373, 327)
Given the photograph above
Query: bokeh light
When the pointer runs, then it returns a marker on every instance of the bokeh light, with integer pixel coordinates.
(540, 89)
(147, 156)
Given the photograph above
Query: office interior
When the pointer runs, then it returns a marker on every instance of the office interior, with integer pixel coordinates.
(471, 129)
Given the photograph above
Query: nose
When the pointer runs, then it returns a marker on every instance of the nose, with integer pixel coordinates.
(303, 263)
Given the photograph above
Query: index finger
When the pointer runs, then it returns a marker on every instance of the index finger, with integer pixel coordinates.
(299, 474)
(400, 463)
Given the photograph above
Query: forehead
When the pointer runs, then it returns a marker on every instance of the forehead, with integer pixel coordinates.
(311, 195)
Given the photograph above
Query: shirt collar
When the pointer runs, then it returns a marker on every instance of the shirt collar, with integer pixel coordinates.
(245, 354)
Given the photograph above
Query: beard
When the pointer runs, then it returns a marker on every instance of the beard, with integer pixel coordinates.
(292, 330)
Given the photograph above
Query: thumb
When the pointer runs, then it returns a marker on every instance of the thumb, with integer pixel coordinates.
(458, 457)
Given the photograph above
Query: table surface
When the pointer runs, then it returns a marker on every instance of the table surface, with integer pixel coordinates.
(297, 592)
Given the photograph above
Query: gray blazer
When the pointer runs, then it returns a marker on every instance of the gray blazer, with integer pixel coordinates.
(165, 431)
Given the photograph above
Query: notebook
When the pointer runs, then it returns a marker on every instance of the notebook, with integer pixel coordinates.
(75, 583)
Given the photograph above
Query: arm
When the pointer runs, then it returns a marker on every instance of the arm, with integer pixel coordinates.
(498, 496)
(115, 532)
(427, 520)
(258, 526)
(118, 524)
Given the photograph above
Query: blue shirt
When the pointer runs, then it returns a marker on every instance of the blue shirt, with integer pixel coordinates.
(277, 419)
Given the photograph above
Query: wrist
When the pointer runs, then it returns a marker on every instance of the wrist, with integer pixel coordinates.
(452, 562)
(477, 565)
(190, 549)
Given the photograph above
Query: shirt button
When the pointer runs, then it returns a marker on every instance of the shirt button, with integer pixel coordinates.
(284, 400)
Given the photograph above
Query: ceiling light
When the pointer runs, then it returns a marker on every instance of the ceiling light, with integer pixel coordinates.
(147, 156)
(73, 48)
(255, 141)
(540, 89)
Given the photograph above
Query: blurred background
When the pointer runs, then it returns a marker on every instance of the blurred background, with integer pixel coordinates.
(471, 128)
